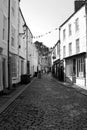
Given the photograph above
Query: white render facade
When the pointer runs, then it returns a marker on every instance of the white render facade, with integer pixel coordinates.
(32, 56)
(18, 54)
(73, 48)
(3, 44)
(21, 47)
(13, 40)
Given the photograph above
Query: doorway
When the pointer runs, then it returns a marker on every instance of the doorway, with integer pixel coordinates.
(4, 73)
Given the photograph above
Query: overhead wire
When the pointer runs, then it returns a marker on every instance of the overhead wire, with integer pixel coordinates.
(39, 36)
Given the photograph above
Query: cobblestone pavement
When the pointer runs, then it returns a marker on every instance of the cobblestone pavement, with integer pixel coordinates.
(46, 105)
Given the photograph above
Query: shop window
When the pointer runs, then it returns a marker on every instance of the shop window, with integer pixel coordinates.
(69, 68)
(80, 67)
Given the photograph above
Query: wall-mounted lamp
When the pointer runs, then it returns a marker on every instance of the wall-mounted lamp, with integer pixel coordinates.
(24, 29)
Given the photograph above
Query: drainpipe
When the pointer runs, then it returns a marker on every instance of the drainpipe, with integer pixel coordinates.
(59, 55)
(9, 85)
(86, 44)
(26, 49)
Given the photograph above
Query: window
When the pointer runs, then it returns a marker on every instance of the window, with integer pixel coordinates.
(12, 36)
(69, 68)
(54, 54)
(74, 66)
(64, 34)
(14, 66)
(81, 67)
(70, 49)
(64, 51)
(13, 7)
(58, 49)
(77, 24)
(77, 46)
(4, 27)
(70, 31)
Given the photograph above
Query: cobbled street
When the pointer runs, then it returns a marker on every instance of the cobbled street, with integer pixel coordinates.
(46, 105)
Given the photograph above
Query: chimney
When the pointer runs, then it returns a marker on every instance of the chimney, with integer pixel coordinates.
(78, 4)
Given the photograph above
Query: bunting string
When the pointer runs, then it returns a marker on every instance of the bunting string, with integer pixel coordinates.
(39, 36)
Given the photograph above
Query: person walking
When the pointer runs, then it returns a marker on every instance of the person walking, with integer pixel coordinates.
(39, 71)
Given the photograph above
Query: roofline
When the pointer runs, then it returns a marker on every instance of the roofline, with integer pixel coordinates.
(22, 15)
(71, 16)
(25, 21)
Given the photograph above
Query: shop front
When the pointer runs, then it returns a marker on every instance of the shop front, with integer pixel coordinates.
(58, 70)
(75, 69)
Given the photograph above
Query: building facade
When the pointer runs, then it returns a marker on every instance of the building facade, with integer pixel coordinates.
(28, 54)
(57, 64)
(18, 54)
(3, 44)
(22, 47)
(13, 41)
(73, 47)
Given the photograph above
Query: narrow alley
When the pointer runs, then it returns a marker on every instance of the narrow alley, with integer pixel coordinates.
(46, 105)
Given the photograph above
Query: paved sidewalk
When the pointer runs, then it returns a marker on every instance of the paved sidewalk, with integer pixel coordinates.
(81, 89)
(7, 99)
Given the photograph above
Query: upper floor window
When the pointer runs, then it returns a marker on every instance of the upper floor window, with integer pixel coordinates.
(58, 49)
(64, 34)
(70, 49)
(64, 51)
(77, 24)
(70, 31)
(77, 46)
(12, 36)
(54, 54)
(4, 27)
(13, 7)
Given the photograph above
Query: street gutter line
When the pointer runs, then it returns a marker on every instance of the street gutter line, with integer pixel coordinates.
(14, 97)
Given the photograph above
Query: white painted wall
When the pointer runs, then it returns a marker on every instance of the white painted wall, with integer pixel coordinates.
(81, 34)
(3, 43)
(14, 23)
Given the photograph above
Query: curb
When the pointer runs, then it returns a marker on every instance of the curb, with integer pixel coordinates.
(79, 89)
(14, 97)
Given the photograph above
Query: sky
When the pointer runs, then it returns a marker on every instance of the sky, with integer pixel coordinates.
(44, 16)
